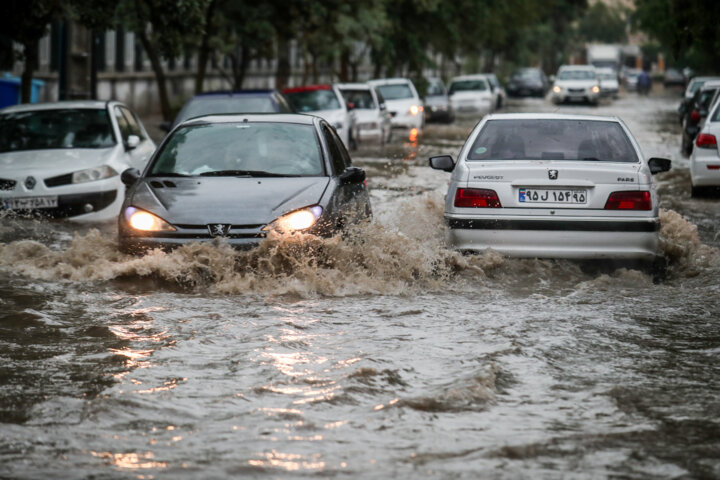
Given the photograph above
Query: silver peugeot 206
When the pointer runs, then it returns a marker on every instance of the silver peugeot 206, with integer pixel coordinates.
(553, 186)
(240, 177)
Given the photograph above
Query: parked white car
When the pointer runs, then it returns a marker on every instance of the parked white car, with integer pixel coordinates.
(705, 157)
(402, 102)
(553, 186)
(576, 83)
(64, 159)
(372, 120)
(326, 102)
(472, 94)
(609, 85)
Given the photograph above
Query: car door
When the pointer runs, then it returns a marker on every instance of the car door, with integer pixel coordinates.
(350, 200)
(129, 125)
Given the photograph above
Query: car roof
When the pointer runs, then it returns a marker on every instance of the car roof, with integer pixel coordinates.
(475, 76)
(58, 105)
(235, 93)
(576, 67)
(254, 117)
(386, 81)
(356, 86)
(710, 84)
(308, 88)
(551, 116)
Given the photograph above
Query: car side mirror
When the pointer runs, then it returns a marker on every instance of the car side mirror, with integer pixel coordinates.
(658, 165)
(132, 142)
(352, 175)
(442, 162)
(130, 176)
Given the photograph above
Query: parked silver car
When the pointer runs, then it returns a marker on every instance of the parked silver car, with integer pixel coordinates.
(549, 185)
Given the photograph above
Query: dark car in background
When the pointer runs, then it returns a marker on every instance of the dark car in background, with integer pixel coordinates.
(673, 78)
(240, 101)
(694, 117)
(240, 177)
(437, 103)
(526, 82)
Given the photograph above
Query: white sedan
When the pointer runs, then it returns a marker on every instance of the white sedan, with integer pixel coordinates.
(472, 94)
(64, 159)
(554, 186)
(705, 157)
(372, 120)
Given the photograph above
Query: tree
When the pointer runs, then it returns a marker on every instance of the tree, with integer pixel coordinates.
(603, 24)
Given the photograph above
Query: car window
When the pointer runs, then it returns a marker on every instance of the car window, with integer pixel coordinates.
(60, 128)
(133, 124)
(468, 85)
(435, 89)
(706, 97)
(550, 139)
(380, 98)
(123, 124)
(576, 75)
(361, 99)
(336, 150)
(210, 105)
(397, 91)
(313, 100)
(283, 104)
(276, 148)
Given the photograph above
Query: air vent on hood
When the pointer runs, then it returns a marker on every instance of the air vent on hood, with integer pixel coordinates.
(59, 180)
(6, 184)
(166, 183)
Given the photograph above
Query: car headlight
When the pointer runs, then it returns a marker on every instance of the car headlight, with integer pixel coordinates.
(337, 125)
(557, 89)
(595, 89)
(93, 174)
(296, 221)
(414, 110)
(146, 221)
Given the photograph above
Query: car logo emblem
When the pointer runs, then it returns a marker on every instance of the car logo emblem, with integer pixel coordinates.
(552, 174)
(219, 229)
(30, 183)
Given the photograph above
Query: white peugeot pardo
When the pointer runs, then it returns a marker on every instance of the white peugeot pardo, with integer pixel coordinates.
(402, 102)
(557, 186)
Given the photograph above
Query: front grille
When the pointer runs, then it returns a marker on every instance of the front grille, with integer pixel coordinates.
(6, 184)
(576, 90)
(59, 180)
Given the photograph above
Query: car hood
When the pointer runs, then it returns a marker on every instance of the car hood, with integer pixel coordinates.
(331, 116)
(239, 201)
(48, 163)
(470, 95)
(436, 101)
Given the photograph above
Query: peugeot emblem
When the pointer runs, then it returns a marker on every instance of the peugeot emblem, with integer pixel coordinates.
(30, 183)
(552, 174)
(219, 229)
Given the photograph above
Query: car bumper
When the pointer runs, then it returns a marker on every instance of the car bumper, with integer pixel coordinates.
(407, 120)
(552, 238)
(143, 244)
(705, 168)
(575, 97)
(73, 205)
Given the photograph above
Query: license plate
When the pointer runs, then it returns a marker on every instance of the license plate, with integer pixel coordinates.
(539, 195)
(29, 203)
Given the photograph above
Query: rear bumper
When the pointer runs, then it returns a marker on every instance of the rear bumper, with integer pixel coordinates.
(572, 239)
(700, 174)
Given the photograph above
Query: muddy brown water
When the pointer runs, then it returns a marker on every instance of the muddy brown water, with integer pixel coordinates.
(380, 354)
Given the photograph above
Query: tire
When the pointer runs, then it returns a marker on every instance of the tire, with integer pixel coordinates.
(687, 146)
(697, 192)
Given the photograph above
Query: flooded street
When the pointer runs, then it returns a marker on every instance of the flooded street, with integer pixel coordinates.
(380, 354)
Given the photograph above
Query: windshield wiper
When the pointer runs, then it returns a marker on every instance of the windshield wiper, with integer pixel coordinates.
(244, 173)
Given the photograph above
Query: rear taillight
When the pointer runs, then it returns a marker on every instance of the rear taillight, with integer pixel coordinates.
(639, 200)
(476, 198)
(705, 140)
(695, 116)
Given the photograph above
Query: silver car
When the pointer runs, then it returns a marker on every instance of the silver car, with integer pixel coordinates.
(554, 186)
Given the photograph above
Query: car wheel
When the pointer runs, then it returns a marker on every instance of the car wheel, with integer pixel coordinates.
(696, 192)
(687, 146)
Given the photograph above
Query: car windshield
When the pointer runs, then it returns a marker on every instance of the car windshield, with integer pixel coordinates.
(361, 99)
(550, 139)
(467, 85)
(435, 89)
(224, 104)
(576, 75)
(531, 74)
(59, 128)
(397, 91)
(607, 76)
(313, 100)
(237, 149)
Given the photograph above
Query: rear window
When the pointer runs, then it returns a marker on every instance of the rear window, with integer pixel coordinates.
(209, 149)
(313, 100)
(361, 99)
(467, 85)
(396, 92)
(529, 139)
(218, 105)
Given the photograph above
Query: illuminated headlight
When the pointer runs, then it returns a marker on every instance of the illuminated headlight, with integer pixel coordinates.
(337, 125)
(296, 221)
(414, 110)
(557, 89)
(595, 89)
(146, 221)
(93, 174)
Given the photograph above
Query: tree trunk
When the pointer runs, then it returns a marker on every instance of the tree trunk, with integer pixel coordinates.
(282, 75)
(204, 52)
(159, 74)
(344, 65)
(240, 66)
(31, 60)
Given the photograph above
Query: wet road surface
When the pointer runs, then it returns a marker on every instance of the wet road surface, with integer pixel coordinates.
(375, 355)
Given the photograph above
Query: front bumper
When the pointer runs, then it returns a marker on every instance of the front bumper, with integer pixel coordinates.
(552, 238)
(75, 204)
(407, 120)
(577, 96)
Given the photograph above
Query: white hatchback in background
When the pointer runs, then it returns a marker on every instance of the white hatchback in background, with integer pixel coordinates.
(326, 102)
(64, 159)
(609, 85)
(472, 94)
(705, 157)
(576, 83)
(554, 186)
(402, 102)
(372, 120)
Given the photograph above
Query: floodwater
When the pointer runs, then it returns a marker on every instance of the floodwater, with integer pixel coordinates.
(376, 355)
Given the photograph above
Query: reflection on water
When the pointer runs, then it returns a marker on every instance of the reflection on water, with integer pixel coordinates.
(130, 461)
